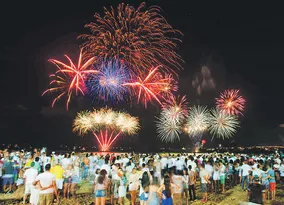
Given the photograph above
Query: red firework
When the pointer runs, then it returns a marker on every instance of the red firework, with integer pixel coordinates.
(139, 37)
(231, 102)
(106, 138)
(153, 86)
(180, 103)
(70, 78)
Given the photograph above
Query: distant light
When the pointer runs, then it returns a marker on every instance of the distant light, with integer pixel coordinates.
(281, 125)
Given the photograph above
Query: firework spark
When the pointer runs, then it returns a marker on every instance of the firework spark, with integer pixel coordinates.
(71, 78)
(106, 125)
(197, 121)
(231, 102)
(151, 87)
(107, 84)
(179, 103)
(222, 124)
(61, 85)
(169, 125)
(139, 37)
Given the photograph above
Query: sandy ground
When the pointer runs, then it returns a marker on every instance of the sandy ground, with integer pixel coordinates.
(230, 197)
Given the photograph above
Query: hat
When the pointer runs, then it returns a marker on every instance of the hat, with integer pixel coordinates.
(256, 178)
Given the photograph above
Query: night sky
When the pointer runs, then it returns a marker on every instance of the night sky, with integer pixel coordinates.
(241, 44)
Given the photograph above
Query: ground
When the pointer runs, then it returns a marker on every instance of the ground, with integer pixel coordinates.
(231, 197)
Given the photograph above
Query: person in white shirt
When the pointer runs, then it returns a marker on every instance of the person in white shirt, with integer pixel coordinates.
(44, 159)
(281, 170)
(179, 166)
(164, 163)
(29, 177)
(106, 166)
(204, 177)
(48, 187)
(192, 163)
(245, 169)
(170, 162)
(133, 185)
(209, 169)
(256, 171)
(66, 161)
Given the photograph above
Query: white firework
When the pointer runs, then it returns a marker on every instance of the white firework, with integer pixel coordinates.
(222, 125)
(169, 124)
(197, 121)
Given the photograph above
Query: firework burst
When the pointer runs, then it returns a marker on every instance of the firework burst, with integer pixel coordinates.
(70, 79)
(197, 121)
(107, 84)
(231, 102)
(151, 87)
(61, 85)
(106, 125)
(169, 124)
(179, 103)
(222, 124)
(139, 37)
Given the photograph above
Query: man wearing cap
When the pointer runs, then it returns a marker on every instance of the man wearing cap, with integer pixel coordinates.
(256, 191)
(29, 177)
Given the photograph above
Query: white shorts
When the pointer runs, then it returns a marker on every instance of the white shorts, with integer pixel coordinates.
(59, 183)
(121, 191)
(28, 188)
(133, 186)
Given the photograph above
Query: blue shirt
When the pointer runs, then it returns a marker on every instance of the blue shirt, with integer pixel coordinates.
(8, 166)
(272, 175)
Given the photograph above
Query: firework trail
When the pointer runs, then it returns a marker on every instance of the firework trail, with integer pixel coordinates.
(151, 87)
(139, 37)
(70, 79)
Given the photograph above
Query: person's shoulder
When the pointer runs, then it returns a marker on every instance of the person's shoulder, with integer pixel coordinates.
(40, 175)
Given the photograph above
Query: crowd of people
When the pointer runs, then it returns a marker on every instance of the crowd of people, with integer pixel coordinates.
(151, 179)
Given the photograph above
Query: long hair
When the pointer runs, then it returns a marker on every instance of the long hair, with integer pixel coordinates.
(145, 181)
(167, 183)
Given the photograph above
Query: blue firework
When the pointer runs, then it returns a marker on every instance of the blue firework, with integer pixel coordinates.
(107, 84)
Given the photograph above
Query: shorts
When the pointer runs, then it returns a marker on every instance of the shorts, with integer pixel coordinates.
(8, 180)
(59, 183)
(266, 185)
(46, 198)
(67, 180)
(100, 193)
(133, 186)
(222, 179)
(28, 188)
(272, 186)
(143, 197)
(203, 187)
